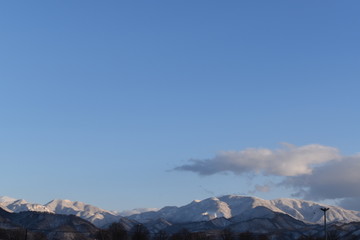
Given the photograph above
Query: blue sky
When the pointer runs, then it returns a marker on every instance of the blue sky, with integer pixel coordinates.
(108, 102)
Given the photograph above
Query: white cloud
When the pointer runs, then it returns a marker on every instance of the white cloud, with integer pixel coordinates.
(287, 161)
(313, 172)
(260, 188)
(334, 180)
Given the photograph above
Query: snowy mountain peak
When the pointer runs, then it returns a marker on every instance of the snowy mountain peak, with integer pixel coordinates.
(67, 206)
(88, 212)
(224, 207)
(20, 201)
(136, 211)
(5, 199)
(229, 206)
(21, 205)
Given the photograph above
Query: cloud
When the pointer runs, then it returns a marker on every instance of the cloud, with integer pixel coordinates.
(313, 172)
(260, 188)
(350, 203)
(334, 180)
(287, 161)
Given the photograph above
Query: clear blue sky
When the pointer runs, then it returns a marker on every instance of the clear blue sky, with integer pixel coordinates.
(101, 100)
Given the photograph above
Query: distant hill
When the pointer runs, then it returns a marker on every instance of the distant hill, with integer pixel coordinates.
(51, 226)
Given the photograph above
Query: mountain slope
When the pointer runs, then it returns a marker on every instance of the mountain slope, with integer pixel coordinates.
(93, 214)
(22, 205)
(54, 226)
(233, 205)
(224, 207)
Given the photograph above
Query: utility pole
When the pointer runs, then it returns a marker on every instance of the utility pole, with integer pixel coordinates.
(325, 230)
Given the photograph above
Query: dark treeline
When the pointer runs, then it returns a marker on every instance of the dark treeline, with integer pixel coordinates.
(116, 231)
(21, 234)
(24, 234)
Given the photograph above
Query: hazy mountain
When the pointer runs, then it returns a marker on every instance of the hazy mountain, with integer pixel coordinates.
(135, 211)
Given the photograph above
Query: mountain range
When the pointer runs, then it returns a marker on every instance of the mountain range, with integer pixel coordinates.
(238, 213)
(43, 225)
(227, 206)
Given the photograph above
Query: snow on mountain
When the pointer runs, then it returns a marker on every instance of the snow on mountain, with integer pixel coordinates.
(5, 199)
(136, 211)
(309, 211)
(22, 205)
(95, 215)
(205, 210)
(54, 226)
(235, 205)
(210, 209)
(4, 208)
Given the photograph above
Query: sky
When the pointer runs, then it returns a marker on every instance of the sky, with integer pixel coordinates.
(128, 104)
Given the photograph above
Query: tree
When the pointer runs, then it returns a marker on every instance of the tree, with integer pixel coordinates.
(140, 232)
(310, 238)
(333, 235)
(262, 237)
(251, 236)
(199, 236)
(183, 234)
(102, 235)
(115, 231)
(246, 236)
(36, 236)
(161, 235)
(12, 234)
(227, 234)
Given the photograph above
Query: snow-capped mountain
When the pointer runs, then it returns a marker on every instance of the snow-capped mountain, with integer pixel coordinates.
(234, 205)
(21, 206)
(265, 221)
(5, 199)
(53, 226)
(95, 215)
(135, 211)
(309, 211)
(225, 207)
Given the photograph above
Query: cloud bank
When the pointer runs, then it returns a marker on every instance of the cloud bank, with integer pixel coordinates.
(314, 172)
(287, 161)
(338, 179)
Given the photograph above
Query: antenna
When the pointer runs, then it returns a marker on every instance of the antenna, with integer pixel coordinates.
(324, 210)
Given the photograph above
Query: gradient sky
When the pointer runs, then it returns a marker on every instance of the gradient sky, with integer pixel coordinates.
(106, 102)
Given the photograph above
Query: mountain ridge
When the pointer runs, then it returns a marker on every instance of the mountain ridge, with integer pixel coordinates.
(227, 206)
(233, 205)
